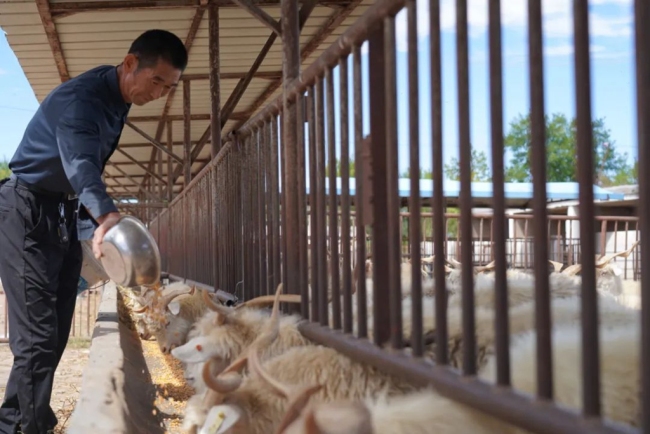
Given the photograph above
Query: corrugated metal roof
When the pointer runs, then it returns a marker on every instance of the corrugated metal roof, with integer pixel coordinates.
(89, 38)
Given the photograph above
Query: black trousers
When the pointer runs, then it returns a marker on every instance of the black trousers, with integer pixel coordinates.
(40, 276)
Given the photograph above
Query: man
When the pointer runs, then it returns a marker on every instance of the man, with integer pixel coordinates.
(55, 198)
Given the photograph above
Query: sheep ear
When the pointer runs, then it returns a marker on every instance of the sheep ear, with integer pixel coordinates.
(174, 307)
(196, 350)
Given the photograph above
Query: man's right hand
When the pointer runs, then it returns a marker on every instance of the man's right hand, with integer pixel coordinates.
(106, 222)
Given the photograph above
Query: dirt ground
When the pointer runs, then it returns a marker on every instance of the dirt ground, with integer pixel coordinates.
(67, 379)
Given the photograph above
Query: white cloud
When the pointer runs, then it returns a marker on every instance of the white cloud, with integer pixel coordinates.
(557, 18)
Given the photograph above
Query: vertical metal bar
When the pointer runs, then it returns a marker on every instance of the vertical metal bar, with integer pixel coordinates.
(291, 69)
(323, 314)
(469, 332)
(170, 163)
(333, 263)
(313, 209)
(498, 218)
(187, 143)
(270, 204)
(394, 233)
(642, 57)
(415, 215)
(345, 195)
(215, 128)
(302, 206)
(381, 300)
(263, 224)
(538, 169)
(277, 276)
(254, 210)
(215, 82)
(437, 199)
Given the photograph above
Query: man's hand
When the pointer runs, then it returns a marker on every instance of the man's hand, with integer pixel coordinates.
(106, 222)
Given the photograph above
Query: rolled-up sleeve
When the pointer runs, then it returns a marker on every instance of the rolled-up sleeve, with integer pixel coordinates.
(79, 141)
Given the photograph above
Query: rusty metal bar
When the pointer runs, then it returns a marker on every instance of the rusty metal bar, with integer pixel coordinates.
(415, 226)
(139, 164)
(345, 195)
(356, 34)
(261, 15)
(313, 207)
(465, 226)
(642, 65)
(170, 181)
(538, 169)
(154, 142)
(291, 69)
(332, 219)
(321, 231)
(215, 80)
(394, 232)
(362, 298)
(499, 228)
(44, 11)
(277, 273)
(187, 131)
(585, 161)
(302, 208)
(378, 100)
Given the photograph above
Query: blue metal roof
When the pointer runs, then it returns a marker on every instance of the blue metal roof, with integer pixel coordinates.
(483, 190)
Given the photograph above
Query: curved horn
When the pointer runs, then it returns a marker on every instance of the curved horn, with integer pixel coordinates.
(454, 263)
(572, 270)
(143, 309)
(214, 306)
(226, 382)
(167, 298)
(489, 266)
(606, 259)
(266, 299)
(557, 266)
(298, 397)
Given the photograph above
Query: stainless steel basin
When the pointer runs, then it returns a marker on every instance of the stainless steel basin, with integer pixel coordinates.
(130, 255)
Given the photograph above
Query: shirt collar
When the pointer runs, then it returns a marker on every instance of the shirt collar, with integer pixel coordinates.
(117, 99)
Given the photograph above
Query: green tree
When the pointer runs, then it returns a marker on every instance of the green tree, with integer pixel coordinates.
(610, 167)
(478, 163)
(4, 169)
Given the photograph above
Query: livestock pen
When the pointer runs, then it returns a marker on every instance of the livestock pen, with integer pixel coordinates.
(265, 205)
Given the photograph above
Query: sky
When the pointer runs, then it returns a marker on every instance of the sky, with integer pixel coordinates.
(612, 70)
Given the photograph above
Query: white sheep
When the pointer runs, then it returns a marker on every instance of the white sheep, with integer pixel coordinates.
(427, 412)
(224, 333)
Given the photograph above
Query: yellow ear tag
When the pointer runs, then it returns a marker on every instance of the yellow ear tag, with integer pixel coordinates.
(220, 419)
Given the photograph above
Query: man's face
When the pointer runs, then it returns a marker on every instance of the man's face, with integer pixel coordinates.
(148, 84)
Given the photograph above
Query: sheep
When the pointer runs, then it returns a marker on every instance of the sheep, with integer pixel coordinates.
(426, 411)
(135, 299)
(248, 338)
(254, 409)
(169, 318)
(223, 334)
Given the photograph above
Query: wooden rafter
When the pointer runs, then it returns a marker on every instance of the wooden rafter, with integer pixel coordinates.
(53, 38)
(154, 142)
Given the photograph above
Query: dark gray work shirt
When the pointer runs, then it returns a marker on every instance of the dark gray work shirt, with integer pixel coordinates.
(71, 137)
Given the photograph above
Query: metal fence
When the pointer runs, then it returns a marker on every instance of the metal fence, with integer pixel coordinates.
(83, 323)
(244, 220)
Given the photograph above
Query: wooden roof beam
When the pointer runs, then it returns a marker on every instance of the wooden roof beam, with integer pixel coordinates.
(53, 38)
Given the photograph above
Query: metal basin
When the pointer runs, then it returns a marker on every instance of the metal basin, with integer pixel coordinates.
(130, 254)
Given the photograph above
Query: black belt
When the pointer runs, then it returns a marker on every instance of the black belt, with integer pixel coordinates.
(35, 189)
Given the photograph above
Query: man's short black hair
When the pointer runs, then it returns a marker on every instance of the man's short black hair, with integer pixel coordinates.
(154, 45)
